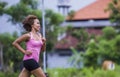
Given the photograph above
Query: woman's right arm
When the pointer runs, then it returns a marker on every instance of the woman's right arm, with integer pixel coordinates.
(17, 42)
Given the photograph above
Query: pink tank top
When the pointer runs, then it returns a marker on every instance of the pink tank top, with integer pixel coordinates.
(35, 47)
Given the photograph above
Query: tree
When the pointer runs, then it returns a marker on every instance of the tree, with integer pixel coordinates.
(20, 10)
(114, 8)
(2, 7)
(109, 33)
(71, 14)
(52, 27)
(106, 47)
(91, 55)
(82, 37)
(10, 59)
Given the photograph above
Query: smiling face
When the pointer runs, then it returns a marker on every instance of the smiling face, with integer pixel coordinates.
(36, 25)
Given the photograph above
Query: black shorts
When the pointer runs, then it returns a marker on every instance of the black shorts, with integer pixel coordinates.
(30, 64)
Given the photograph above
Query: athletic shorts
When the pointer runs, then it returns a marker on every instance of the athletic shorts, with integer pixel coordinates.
(30, 64)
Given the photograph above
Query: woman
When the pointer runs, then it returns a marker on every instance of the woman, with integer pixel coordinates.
(34, 44)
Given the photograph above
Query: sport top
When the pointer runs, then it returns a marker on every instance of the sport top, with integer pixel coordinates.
(34, 46)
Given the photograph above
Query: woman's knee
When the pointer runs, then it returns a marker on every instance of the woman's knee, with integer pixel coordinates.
(38, 73)
(24, 73)
(44, 75)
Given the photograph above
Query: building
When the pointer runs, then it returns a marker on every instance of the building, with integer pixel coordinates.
(93, 18)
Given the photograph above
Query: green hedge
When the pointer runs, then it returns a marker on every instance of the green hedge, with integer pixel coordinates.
(7, 74)
(72, 72)
(86, 72)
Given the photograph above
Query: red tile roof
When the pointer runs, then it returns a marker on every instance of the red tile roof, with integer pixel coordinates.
(94, 31)
(67, 42)
(95, 10)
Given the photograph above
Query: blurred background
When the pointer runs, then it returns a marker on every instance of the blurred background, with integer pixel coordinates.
(83, 36)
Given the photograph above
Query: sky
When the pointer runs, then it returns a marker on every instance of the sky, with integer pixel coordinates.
(48, 4)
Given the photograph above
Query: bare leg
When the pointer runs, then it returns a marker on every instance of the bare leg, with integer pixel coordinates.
(38, 72)
(24, 73)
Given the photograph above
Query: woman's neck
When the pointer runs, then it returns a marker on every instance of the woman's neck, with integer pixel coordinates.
(34, 32)
(35, 35)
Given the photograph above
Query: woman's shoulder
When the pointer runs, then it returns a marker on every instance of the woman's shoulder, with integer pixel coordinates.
(26, 35)
(40, 34)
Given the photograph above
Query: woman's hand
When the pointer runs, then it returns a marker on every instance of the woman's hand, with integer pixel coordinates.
(44, 44)
(28, 52)
(43, 40)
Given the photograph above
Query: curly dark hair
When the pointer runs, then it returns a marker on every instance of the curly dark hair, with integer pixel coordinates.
(28, 22)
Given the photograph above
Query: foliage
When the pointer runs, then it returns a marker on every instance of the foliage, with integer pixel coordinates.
(98, 49)
(117, 43)
(52, 28)
(91, 54)
(20, 10)
(73, 72)
(85, 72)
(82, 36)
(76, 59)
(105, 48)
(109, 33)
(2, 7)
(114, 8)
(11, 56)
(70, 72)
(53, 18)
(108, 47)
(71, 14)
(8, 74)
